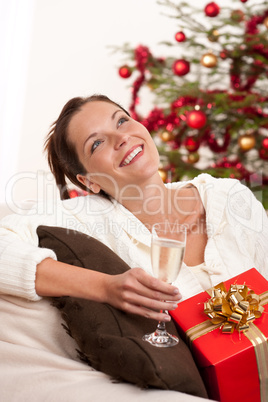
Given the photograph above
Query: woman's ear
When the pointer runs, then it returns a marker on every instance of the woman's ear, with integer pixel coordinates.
(95, 188)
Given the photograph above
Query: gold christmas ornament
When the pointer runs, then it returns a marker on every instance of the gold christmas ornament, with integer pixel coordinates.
(266, 22)
(166, 136)
(237, 15)
(193, 158)
(163, 174)
(213, 36)
(246, 142)
(209, 60)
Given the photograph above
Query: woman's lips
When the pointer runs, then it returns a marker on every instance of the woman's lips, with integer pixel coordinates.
(131, 155)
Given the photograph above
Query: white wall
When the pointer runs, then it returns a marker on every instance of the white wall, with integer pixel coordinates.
(69, 56)
(15, 37)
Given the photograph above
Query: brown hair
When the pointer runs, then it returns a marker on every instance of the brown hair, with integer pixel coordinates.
(61, 154)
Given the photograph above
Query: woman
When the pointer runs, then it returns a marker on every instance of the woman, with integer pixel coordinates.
(98, 146)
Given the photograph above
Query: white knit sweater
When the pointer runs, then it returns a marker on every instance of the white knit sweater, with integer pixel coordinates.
(37, 358)
(236, 222)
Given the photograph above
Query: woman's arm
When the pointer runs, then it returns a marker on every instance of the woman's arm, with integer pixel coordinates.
(18, 260)
(31, 272)
(133, 291)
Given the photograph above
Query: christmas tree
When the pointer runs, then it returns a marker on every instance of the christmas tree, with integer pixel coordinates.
(210, 101)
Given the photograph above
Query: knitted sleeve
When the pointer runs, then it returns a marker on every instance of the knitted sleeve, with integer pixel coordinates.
(19, 251)
(19, 256)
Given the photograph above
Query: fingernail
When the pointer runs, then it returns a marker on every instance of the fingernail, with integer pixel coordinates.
(167, 318)
(174, 306)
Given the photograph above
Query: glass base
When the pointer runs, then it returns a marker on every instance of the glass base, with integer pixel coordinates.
(161, 339)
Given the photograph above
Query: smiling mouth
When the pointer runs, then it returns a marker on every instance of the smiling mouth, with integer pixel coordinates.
(131, 156)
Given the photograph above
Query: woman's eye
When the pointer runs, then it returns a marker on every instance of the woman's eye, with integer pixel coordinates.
(121, 121)
(95, 144)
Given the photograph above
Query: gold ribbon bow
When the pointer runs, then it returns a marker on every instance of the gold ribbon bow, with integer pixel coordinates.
(232, 309)
(236, 309)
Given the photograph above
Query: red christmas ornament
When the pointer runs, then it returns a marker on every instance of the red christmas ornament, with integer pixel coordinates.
(176, 143)
(181, 67)
(196, 119)
(263, 153)
(223, 54)
(212, 9)
(192, 144)
(265, 143)
(243, 1)
(73, 193)
(77, 193)
(215, 146)
(180, 36)
(125, 71)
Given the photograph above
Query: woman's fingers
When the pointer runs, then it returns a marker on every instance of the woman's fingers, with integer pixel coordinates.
(150, 314)
(144, 284)
(151, 304)
(137, 292)
(154, 283)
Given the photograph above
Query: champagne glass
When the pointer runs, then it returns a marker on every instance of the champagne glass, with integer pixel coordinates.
(168, 243)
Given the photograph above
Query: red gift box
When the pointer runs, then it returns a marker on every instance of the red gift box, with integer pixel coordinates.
(234, 366)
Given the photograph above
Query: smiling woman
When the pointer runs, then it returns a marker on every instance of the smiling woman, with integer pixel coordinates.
(92, 143)
(96, 145)
(112, 147)
(99, 147)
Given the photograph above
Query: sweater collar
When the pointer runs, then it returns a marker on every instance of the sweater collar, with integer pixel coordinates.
(212, 198)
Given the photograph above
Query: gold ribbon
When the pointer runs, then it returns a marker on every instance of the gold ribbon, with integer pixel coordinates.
(255, 336)
(234, 308)
(259, 341)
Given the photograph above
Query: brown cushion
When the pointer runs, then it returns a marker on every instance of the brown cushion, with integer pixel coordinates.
(109, 339)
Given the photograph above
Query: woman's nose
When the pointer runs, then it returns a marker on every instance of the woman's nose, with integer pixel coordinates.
(121, 140)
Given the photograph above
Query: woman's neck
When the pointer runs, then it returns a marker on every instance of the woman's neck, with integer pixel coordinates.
(156, 203)
(144, 198)
(178, 205)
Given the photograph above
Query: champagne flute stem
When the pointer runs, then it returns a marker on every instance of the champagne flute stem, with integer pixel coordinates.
(161, 326)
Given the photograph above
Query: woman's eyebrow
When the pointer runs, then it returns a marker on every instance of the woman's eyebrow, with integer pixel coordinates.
(95, 134)
(87, 139)
(114, 114)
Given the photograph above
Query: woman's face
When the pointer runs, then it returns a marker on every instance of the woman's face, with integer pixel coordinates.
(116, 151)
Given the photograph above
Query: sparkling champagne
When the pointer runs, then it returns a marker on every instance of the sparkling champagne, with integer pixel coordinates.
(167, 256)
(167, 252)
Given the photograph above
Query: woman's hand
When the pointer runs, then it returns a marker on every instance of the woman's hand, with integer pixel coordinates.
(134, 291)
(137, 292)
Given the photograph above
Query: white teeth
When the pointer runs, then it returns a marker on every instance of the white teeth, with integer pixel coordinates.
(131, 156)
